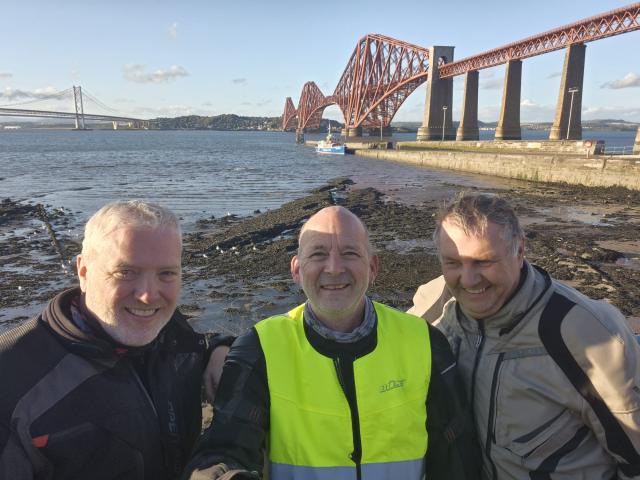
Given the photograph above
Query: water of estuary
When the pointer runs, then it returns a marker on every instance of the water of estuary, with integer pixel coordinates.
(197, 174)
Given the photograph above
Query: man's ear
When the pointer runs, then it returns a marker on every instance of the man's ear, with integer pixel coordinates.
(374, 265)
(81, 266)
(521, 252)
(295, 269)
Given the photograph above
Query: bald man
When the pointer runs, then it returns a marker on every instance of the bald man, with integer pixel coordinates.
(340, 387)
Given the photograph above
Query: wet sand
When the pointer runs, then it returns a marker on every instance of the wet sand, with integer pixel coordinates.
(236, 270)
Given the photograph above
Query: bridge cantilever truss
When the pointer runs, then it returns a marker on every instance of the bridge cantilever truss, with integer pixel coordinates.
(382, 72)
(607, 24)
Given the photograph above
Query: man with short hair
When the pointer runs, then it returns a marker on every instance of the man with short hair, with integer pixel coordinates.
(106, 382)
(553, 375)
(336, 388)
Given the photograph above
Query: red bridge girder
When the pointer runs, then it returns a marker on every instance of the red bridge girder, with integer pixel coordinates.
(382, 72)
(289, 116)
(615, 22)
(311, 106)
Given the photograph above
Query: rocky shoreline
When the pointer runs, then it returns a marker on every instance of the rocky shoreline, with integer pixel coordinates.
(236, 270)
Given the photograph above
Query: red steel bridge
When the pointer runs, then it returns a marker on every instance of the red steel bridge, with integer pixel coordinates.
(382, 72)
(77, 114)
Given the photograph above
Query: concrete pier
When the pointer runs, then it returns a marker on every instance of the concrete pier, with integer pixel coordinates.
(344, 132)
(570, 97)
(437, 120)
(468, 129)
(594, 170)
(509, 123)
(354, 132)
(636, 145)
(299, 136)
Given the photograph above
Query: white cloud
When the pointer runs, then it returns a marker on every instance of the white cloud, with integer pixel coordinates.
(239, 81)
(173, 30)
(526, 103)
(629, 80)
(4, 75)
(136, 73)
(12, 94)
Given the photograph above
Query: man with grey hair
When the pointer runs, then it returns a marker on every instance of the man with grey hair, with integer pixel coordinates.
(106, 381)
(554, 376)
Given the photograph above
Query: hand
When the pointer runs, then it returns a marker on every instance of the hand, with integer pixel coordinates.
(213, 372)
(221, 471)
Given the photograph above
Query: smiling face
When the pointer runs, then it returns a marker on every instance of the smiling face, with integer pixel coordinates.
(334, 267)
(480, 270)
(131, 281)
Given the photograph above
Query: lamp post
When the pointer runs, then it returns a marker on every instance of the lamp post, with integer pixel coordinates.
(572, 91)
(380, 129)
(444, 116)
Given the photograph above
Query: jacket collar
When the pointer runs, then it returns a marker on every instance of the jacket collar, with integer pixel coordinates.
(84, 336)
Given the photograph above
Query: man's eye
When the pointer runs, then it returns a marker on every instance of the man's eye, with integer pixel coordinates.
(351, 254)
(317, 255)
(124, 274)
(169, 275)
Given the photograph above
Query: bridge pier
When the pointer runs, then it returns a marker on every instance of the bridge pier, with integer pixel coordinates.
(636, 145)
(509, 123)
(115, 125)
(436, 122)
(569, 107)
(468, 129)
(354, 132)
(300, 136)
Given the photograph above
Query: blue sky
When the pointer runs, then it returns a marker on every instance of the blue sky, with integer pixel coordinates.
(164, 58)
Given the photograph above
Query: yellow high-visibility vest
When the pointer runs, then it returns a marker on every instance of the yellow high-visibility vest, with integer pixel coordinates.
(311, 434)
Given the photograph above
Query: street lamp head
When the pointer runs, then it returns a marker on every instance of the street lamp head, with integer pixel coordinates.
(444, 107)
(574, 90)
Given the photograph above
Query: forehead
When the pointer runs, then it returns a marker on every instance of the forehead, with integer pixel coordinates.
(144, 245)
(340, 229)
(455, 242)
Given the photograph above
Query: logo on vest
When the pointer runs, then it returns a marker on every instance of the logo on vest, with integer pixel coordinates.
(391, 384)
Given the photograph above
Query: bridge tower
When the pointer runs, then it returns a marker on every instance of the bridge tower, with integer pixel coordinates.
(77, 97)
(436, 122)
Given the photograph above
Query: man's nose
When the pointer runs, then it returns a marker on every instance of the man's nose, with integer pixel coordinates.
(334, 263)
(469, 276)
(147, 289)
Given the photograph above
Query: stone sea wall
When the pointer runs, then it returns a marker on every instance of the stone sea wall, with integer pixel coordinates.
(598, 170)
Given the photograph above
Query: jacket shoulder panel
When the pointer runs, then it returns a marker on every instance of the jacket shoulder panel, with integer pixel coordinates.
(592, 362)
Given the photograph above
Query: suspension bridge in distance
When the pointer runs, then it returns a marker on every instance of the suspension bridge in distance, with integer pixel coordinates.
(77, 114)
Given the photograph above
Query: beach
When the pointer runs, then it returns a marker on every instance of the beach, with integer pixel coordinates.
(236, 269)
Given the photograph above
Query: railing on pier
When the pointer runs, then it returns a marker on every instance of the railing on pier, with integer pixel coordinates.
(626, 150)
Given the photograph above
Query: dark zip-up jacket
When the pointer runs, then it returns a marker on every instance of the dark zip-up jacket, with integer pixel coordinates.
(76, 406)
(238, 433)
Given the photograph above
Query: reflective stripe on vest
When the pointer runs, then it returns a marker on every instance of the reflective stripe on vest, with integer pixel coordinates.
(310, 417)
(390, 470)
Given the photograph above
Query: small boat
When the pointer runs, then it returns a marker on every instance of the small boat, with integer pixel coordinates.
(330, 145)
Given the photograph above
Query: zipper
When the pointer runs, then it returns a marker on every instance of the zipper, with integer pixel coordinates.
(479, 348)
(491, 427)
(143, 389)
(356, 455)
